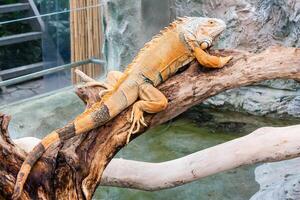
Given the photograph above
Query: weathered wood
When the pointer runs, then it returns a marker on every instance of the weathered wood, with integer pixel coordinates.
(283, 143)
(74, 169)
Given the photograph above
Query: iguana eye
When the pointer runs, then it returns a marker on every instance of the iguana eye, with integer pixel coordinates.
(211, 22)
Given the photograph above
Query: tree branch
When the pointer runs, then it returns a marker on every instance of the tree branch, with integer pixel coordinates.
(283, 143)
(74, 169)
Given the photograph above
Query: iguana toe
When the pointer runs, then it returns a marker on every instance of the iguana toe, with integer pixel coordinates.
(136, 120)
(225, 60)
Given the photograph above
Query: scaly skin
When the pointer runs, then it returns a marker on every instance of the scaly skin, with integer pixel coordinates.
(177, 45)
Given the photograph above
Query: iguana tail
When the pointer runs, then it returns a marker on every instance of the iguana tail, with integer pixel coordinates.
(96, 116)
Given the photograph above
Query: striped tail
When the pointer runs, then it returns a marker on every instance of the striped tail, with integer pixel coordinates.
(96, 116)
(30, 160)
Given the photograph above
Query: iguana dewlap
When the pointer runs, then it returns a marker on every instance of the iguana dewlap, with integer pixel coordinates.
(175, 46)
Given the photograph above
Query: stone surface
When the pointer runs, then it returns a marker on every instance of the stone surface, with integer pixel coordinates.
(21, 91)
(251, 25)
(279, 180)
(38, 116)
(128, 25)
(122, 32)
(259, 101)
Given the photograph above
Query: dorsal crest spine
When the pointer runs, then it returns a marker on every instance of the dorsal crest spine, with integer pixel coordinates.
(147, 45)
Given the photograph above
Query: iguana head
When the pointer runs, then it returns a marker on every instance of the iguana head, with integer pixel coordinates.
(203, 31)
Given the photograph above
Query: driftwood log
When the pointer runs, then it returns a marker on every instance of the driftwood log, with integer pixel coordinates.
(282, 143)
(74, 169)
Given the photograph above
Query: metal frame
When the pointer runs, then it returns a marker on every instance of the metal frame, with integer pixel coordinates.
(52, 70)
(14, 7)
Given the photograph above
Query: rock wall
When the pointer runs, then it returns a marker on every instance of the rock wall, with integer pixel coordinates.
(252, 25)
(128, 25)
(279, 180)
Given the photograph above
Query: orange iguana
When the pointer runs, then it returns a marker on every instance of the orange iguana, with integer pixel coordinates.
(175, 46)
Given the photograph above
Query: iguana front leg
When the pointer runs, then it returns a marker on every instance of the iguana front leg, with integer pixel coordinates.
(198, 47)
(210, 61)
(152, 101)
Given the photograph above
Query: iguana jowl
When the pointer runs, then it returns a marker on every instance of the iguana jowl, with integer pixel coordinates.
(177, 45)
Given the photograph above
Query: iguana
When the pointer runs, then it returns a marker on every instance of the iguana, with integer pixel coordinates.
(183, 41)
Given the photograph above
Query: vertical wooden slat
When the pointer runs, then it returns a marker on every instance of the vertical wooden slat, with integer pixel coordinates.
(86, 41)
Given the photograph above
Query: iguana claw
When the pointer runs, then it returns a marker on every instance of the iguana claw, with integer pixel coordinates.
(137, 118)
(225, 60)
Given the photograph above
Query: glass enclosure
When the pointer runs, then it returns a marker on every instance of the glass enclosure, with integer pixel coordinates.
(35, 36)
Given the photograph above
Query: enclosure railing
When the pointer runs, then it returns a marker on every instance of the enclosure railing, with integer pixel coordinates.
(53, 70)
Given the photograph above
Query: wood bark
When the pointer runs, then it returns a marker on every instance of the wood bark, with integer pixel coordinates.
(73, 170)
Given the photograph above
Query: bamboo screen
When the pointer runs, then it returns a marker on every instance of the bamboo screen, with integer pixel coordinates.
(86, 35)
